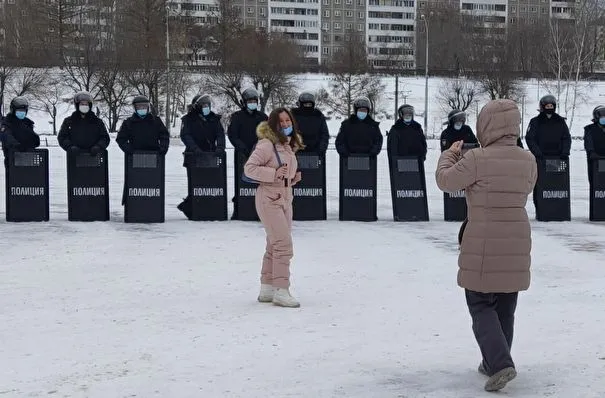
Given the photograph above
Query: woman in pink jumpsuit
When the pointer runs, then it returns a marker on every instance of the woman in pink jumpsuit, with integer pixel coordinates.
(274, 201)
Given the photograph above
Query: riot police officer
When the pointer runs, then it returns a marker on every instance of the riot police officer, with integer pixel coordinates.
(312, 125)
(201, 131)
(143, 131)
(360, 133)
(83, 131)
(594, 139)
(406, 137)
(17, 130)
(547, 134)
(242, 132)
(457, 130)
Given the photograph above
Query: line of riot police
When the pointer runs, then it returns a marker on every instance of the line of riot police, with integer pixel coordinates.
(144, 140)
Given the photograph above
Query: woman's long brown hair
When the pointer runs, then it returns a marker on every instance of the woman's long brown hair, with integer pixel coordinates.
(296, 141)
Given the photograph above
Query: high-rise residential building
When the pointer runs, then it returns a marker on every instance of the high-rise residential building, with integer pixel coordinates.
(341, 21)
(196, 12)
(298, 19)
(391, 31)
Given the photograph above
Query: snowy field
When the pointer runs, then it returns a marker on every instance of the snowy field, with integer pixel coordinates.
(113, 310)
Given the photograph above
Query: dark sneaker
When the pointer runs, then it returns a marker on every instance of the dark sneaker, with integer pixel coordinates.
(499, 379)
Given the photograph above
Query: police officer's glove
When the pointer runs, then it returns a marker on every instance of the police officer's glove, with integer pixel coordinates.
(74, 149)
(95, 150)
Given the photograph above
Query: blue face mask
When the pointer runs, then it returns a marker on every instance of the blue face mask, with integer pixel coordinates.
(287, 130)
(407, 119)
(205, 111)
(362, 115)
(458, 126)
(252, 106)
(20, 114)
(602, 120)
(142, 112)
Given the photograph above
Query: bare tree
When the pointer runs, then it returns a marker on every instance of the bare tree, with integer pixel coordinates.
(6, 75)
(273, 58)
(50, 97)
(570, 54)
(350, 76)
(226, 85)
(447, 46)
(222, 40)
(113, 92)
(29, 81)
(457, 94)
(141, 41)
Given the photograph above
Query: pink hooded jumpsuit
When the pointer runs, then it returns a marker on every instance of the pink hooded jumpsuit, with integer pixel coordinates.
(274, 204)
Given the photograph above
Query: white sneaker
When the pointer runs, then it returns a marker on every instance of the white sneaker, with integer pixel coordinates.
(283, 298)
(266, 293)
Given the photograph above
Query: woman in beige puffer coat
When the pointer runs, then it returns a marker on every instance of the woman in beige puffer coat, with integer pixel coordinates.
(494, 260)
(278, 136)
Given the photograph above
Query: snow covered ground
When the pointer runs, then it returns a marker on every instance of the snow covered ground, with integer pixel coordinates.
(169, 310)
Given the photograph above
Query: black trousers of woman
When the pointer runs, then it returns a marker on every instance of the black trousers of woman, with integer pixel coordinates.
(493, 316)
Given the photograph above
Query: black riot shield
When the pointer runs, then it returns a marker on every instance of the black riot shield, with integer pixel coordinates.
(87, 187)
(454, 206)
(310, 193)
(245, 193)
(207, 186)
(454, 203)
(27, 196)
(597, 190)
(552, 190)
(144, 189)
(357, 191)
(408, 189)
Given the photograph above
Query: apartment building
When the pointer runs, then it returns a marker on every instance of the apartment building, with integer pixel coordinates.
(27, 34)
(391, 31)
(300, 20)
(341, 21)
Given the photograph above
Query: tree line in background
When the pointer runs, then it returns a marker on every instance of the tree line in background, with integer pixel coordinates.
(117, 49)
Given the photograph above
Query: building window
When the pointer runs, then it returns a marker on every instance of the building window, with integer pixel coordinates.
(326, 2)
(360, 27)
(336, 1)
(261, 11)
(513, 8)
(362, 15)
(326, 26)
(349, 14)
(512, 19)
(337, 25)
(327, 13)
(250, 10)
(533, 9)
(337, 13)
(326, 50)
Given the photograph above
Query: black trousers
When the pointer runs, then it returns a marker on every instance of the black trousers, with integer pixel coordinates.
(493, 316)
